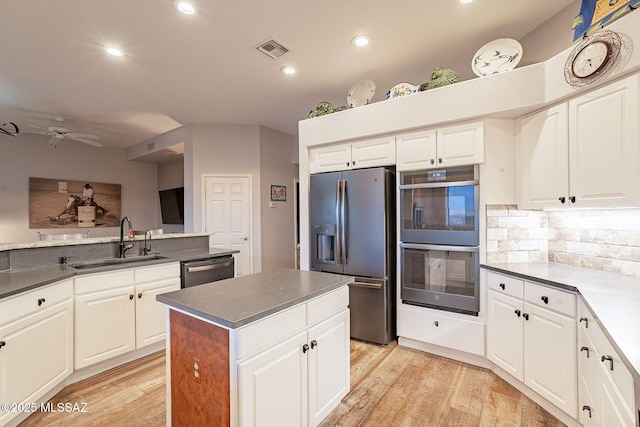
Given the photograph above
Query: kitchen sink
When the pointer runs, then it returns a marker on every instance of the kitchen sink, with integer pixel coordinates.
(116, 261)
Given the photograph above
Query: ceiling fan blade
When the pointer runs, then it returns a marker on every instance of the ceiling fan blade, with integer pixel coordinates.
(81, 135)
(39, 133)
(83, 140)
(54, 140)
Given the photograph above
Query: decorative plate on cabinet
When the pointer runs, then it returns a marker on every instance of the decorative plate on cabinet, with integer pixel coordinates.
(402, 89)
(361, 93)
(496, 57)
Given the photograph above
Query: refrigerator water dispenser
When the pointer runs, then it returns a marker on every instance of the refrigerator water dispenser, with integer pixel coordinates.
(325, 243)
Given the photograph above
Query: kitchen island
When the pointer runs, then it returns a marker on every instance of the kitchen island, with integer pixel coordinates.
(270, 348)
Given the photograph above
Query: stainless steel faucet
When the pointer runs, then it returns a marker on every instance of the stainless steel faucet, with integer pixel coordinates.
(145, 250)
(122, 248)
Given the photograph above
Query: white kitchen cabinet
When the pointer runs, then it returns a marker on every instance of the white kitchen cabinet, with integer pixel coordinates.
(273, 385)
(36, 344)
(583, 153)
(605, 384)
(299, 380)
(116, 312)
(359, 154)
(531, 335)
(542, 157)
(442, 147)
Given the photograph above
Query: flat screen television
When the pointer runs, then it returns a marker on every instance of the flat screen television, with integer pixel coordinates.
(172, 205)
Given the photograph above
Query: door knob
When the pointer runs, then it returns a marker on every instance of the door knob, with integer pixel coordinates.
(245, 238)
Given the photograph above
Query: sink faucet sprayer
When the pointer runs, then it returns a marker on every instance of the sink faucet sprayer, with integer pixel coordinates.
(122, 248)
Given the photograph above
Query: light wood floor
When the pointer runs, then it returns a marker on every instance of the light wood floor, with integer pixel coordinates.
(390, 386)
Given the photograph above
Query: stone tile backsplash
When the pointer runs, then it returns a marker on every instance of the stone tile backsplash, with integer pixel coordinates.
(607, 239)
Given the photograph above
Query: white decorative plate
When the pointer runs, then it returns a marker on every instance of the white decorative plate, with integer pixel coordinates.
(496, 57)
(361, 93)
(402, 89)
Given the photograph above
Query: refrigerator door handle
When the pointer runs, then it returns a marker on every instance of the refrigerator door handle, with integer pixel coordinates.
(338, 255)
(366, 285)
(343, 226)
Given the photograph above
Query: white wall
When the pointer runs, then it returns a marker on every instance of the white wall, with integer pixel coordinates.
(277, 168)
(30, 156)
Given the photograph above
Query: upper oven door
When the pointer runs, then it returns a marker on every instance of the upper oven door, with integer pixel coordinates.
(440, 207)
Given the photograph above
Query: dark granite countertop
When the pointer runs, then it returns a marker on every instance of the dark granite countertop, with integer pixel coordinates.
(614, 299)
(237, 302)
(15, 281)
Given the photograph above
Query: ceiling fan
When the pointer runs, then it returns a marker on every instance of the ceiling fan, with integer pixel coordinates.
(58, 133)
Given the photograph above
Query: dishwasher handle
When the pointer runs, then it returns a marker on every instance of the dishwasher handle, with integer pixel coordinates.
(213, 265)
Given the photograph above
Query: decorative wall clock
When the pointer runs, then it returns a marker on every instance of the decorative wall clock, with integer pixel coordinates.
(592, 58)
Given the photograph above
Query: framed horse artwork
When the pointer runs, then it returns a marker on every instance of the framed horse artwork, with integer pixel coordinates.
(56, 203)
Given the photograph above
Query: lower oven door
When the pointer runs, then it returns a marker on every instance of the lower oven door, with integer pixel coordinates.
(442, 277)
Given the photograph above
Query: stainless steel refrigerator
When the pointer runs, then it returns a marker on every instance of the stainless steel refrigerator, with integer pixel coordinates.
(352, 219)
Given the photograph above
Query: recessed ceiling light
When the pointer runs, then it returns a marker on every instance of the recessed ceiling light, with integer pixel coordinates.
(185, 7)
(465, 1)
(113, 51)
(288, 70)
(361, 40)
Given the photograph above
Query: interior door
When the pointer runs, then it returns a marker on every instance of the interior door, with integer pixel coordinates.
(228, 217)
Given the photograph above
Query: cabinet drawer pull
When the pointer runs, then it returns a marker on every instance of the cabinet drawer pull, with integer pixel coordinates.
(2, 344)
(587, 408)
(305, 348)
(41, 301)
(314, 344)
(610, 359)
(545, 300)
(526, 316)
(436, 323)
(562, 199)
(585, 349)
(586, 321)
(502, 286)
(518, 313)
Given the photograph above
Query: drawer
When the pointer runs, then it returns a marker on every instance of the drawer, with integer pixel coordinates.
(620, 375)
(505, 284)
(326, 305)
(440, 329)
(13, 308)
(102, 281)
(552, 299)
(266, 332)
(156, 272)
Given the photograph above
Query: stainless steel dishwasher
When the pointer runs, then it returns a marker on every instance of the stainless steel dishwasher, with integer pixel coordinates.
(200, 271)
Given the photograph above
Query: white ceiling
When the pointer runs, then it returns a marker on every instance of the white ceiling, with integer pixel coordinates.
(179, 69)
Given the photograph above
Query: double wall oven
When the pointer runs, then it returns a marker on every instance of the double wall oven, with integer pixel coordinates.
(439, 239)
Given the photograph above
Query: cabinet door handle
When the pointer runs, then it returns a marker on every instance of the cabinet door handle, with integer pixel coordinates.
(2, 344)
(502, 285)
(347, 164)
(572, 199)
(585, 349)
(436, 323)
(545, 300)
(526, 316)
(314, 344)
(610, 359)
(353, 162)
(131, 296)
(587, 408)
(305, 348)
(562, 199)
(41, 301)
(440, 160)
(139, 295)
(586, 322)
(432, 161)
(518, 313)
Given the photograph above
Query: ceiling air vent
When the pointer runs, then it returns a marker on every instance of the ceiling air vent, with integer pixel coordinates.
(272, 49)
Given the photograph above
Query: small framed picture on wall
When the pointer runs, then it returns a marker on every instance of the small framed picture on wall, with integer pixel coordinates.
(278, 193)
